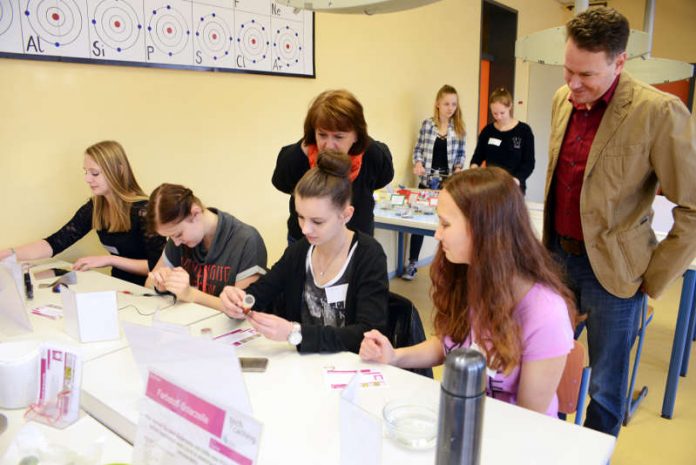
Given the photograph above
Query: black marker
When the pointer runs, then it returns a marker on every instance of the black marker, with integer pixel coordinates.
(28, 286)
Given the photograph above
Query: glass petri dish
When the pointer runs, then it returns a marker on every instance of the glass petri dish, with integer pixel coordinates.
(410, 424)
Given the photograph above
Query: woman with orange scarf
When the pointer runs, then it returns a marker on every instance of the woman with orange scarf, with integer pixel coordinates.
(335, 121)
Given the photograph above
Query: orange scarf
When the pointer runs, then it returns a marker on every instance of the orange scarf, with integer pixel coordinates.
(355, 161)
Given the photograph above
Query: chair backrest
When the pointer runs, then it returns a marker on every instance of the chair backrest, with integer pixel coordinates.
(574, 384)
(404, 326)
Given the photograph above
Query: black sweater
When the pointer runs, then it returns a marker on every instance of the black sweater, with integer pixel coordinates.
(514, 151)
(136, 243)
(366, 301)
(376, 172)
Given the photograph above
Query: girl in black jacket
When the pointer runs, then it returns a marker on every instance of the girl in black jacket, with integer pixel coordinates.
(332, 284)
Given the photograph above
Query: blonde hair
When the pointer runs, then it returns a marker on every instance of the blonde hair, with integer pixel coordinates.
(112, 212)
(457, 120)
(502, 96)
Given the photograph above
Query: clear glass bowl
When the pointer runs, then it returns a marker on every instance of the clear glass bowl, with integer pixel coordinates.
(411, 424)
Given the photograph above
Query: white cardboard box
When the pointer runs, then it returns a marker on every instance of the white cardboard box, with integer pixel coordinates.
(90, 316)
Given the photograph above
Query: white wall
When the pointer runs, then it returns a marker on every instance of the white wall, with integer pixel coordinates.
(544, 80)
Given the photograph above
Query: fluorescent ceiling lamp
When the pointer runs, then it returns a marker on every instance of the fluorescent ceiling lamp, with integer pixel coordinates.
(659, 70)
(548, 46)
(368, 7)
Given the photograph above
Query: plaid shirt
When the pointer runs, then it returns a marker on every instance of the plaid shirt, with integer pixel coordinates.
(423, 151)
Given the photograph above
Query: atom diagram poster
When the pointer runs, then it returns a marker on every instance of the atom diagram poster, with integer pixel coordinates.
(218, 35)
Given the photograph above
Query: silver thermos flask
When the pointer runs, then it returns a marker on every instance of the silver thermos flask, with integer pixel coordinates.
(462, 396)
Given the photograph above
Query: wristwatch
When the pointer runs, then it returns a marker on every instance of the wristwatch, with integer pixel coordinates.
(295, 336)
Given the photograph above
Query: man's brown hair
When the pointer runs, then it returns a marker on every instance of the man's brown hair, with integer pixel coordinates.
(599, 29)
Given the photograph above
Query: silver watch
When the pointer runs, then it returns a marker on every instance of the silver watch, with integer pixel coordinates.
(295, 336)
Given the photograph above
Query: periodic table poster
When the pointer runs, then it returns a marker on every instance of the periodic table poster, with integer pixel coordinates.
(217, 35)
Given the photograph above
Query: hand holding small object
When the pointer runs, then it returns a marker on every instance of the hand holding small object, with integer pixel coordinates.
(247, 303)
(159, 276)
(178, 283)
(233, 302)
(271, 326)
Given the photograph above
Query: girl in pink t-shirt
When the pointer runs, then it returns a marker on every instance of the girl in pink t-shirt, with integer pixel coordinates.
(495, 288)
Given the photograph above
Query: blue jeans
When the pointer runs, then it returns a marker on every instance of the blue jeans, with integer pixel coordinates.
(612, 326)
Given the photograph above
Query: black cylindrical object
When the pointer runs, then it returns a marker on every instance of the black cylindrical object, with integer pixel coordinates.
(462, 396)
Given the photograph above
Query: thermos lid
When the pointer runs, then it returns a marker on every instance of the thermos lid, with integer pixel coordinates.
(465, 373)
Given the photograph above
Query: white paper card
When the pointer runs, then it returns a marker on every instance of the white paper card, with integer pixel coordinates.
(238, 336)
(111, 249)
(90, 316)
(336, 293)
(494, 141)
(180, 427)
(182, 357)
(361, 431)
(14, 319)
(338, 378)
(397, 199)
(50, 311)
(15, 269)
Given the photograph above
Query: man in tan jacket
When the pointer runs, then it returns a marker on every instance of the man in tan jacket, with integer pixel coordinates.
(613, 139)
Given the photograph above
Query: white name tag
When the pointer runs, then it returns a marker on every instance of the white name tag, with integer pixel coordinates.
(111, 249)
(336, 293)
(494, 141)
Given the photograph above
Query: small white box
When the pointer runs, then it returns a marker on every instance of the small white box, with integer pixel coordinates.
(90, 316)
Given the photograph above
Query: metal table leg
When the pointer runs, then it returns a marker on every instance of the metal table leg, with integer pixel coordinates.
(680, 335)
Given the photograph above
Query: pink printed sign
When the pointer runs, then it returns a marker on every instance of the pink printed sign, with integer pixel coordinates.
(185, 404)
(229, 453)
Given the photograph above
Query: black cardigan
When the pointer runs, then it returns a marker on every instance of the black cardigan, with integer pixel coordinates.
(137, 243)
(376, 172)
(366, 302)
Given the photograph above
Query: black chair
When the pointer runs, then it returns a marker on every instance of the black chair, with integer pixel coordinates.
(404, 327)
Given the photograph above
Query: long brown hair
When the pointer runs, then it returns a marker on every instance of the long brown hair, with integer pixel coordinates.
(170, 203)
(480, 295)
(337, 110)
(112, 212)
(457, 120)
(328, 179)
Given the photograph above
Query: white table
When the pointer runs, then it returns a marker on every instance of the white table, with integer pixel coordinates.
(300, 414)
(84, 431)
(132, 308)
(425, 225)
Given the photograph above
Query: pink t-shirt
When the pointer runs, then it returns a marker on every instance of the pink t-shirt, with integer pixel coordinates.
(546, 333)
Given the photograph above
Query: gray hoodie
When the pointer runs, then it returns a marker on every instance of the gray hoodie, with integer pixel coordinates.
(236, 248)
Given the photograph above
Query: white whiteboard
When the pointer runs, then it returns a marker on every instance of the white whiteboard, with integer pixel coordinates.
(218, 35)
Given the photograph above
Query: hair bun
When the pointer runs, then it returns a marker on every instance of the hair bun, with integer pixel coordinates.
(334, 163)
